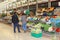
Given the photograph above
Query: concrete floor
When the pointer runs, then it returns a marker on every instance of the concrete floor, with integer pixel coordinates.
(6, 33)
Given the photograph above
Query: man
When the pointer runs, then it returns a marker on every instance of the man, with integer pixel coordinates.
(15, 21)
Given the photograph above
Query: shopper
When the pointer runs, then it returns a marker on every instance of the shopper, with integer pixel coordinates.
(44, 13)
(15, 22)
(24, 22)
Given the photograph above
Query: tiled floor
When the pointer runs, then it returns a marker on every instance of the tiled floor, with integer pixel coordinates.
(6, 33)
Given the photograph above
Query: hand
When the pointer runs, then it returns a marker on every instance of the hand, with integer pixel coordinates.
(12, 24)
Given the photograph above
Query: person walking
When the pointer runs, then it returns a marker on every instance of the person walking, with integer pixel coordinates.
(15, 22)
(24, 22)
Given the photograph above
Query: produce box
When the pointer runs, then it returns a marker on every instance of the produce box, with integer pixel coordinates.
(58, 25)
(46, 26)
(36, 31)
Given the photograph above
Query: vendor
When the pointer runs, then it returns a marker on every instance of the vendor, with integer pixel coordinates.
(31, 16)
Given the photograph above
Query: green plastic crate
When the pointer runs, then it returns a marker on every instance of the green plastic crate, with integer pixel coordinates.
(36, 35)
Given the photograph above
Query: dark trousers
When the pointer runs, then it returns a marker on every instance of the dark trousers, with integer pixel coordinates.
(16, 25)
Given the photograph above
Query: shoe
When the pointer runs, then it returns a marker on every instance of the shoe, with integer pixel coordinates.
(19, 32)
(14, 32)
(24, 31)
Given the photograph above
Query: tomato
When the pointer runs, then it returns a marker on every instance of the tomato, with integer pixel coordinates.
(58, 30)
